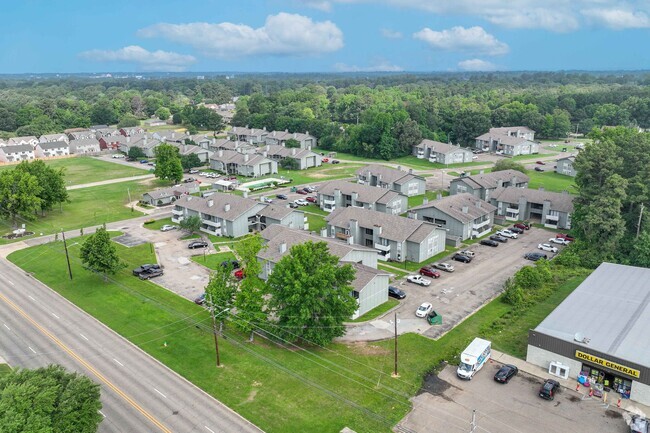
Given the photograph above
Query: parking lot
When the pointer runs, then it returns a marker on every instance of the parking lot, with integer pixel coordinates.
(446, 406)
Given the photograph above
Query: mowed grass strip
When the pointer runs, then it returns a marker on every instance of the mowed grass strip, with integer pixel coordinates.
(213, 261)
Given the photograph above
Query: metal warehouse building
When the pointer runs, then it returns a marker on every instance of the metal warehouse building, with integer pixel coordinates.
(601, 330)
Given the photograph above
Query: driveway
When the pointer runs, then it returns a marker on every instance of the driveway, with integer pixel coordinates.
(446, 407)
(455, 295)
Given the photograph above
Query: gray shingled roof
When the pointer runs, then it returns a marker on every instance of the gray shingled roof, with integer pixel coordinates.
(284, 152)
(506, 129)
(568, 158)
(173, 191)
(560, 201)
(25, 138)
(18, 148)
(393, 227)
(439, 147)
(366, 193)
(363, 275)
(453, 206)
(238, 130)
(49, 137)
(388, 175)
(491, 180)
(611, 308)
(238, 205)
(286, 135)
(233, 157)
(53, 145)
(277, 212)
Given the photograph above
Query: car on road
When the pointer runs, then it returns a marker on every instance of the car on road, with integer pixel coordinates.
(168, 227)
(193, 171)
(525, 225)
(539, 169)
(534, 256)
(467, 253)
(489, 242)
(507, 234)
(461, 258)
(559, 241)
(505, 373)
(549, 388)
(189, 179)
(429, 272)
(143, 268)
(281, 196)
(267, 200)
(302, 192)
(197, 244)
(117, 156)
(499, 238)
(233, 263)
(312, 199)
(547, 247)
(150, 273)
(417, 279)
(200, 300)
(301, 202)
(335, 161)
(444, 267)
(424, 309)
(565, 236)
(144, 161)
(516, 230)
(293, 205)
(540, 162)
(396, 293)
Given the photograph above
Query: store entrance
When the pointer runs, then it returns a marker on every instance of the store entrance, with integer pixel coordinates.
(609, 381)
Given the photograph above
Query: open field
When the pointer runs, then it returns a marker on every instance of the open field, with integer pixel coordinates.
(80, 170)
(379, 310)
(551, 181)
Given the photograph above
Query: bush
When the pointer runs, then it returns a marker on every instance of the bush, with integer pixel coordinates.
(514, 296)
(528, 278)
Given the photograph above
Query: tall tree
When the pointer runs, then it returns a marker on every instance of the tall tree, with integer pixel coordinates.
(220, 292)
(99, 254)
(311, 294)
(136, 153)
(191, 224)
(190, 161)
(168, 163)
(508, 164)
(52, 182)
(249, 300)
(163, 113)
(19, 195)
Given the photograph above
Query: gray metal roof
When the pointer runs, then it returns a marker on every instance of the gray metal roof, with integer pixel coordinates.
(454, 206)
(611, 310)
(560, 201)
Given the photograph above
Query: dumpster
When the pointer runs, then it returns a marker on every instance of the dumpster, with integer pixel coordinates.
(434, 318)
(294, 189)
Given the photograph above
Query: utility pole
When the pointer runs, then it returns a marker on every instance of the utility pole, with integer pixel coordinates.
(395, 373)
(473, 423)
(67, 256)
(638, 224)
(214, 329)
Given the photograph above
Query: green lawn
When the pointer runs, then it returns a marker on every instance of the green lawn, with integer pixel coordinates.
(379, 310)
(213, 261)
(551, 181)
(88, 207)
(417, 200)
(398, 273)
(316, 223)
(412, 266)
(4, 369)
(83, 169)
(156, 225)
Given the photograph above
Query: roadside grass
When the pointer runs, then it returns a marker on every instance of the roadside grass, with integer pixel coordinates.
(551, 181)
(156, 225)
(88, 207)
(378, 311)
(313, 208)
(316, 222)
(213, 261)
(4, 370)
(412, 266)
(84, 169)
(398, 274)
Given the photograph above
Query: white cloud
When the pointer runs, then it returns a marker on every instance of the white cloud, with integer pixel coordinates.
(321, 5)
(476, 65)
(473, 39)
(391, 34)
(379, 66)
(618, 19)
(145, 60)
(282, 34)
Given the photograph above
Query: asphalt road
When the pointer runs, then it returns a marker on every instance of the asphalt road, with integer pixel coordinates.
(38, 327)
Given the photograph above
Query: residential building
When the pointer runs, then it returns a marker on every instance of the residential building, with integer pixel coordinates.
(52, 148)
(370, 286)
(553, 209)
(483, 184)
(112, 142)
(249, 135)
(600, 331)
(144, 141)
(87, 146)
(171, 137)
(202, 140)
(80, 134)
(17, 153)
(435, 151)
(280, 138)
(188, 149)
(165, 196)
(338, 194)
(53, 137)
(565, 166)
(154, 122)
(381, 176)
(106, 132)
(231, 162)
(304, 157)
(237, 146)
(234, 216)
(463, 216)
(30, 139)
(510, 141)
(397, 238)
(135, 130)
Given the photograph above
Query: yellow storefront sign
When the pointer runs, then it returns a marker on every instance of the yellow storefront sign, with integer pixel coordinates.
(607, 364)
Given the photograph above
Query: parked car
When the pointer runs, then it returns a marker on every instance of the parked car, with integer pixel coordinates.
(559, 241)
(312, 199)
(417, 279)
(281, 196)
(193, 171)
(150, 273)
(239, 274)
(444, 267)
(118, 156)
(144, 161)
(489, 242)
(325, 160)
(549, 388)
(302, 191)
(233, 263)
(506, 373)
(143, 268)
(539, 169)
(547, 247)
(516, 230)
(467, 253)
(310, 188)
(197, 244)
(525, 225)
(534, 256)
(335, 161)
(499, 239)
(429, 272)
(540, 162)
(293, 205)
(394, 292)
(200, 300)
(507, 234)
(267, 200)
(461, 258)
(168, 227)
(565, 236)
(189, 180)
(301, 202)
(424, 309)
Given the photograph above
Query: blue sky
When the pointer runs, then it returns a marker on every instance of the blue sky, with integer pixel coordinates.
(323, 35)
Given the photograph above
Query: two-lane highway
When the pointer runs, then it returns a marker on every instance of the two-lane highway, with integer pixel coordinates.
(38, 327)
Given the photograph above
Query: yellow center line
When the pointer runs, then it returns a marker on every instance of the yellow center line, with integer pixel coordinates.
(86, 365)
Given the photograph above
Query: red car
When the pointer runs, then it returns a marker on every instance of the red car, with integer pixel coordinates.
(239, 274)
(540, 163)
(311, 199)
(428, 272)
(301, 191)
(523, 226)
(565, 237)
(326, 160)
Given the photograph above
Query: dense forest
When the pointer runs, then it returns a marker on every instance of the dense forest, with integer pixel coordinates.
(379, 116)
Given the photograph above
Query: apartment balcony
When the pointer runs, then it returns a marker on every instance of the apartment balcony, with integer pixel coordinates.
(481, 225)
(381, 247)
(329, 202)
(477, 233)
(420, 154)
(433, 159)
(554, 218)
(211, 230)
(178, 212)
(177, 218)
(215, 224)
(329, 208)
(551, 224)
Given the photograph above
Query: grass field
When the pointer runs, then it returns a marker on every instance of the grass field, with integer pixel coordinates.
(398, 274)
(379, 310)
(551, 181)
(213, 261)
(316, 222)
(4, 369)
(280, 389)
(417, 200)
(82, 170)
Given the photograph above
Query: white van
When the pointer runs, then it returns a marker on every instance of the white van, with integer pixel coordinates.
(473, 358)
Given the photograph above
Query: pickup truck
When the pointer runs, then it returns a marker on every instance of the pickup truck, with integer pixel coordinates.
(418, 279)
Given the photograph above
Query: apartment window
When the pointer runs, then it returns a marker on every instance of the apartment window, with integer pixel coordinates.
(397, 207)
(413, 188)
(440, 222)
(461, 188)
(431, 245)
(369, 232)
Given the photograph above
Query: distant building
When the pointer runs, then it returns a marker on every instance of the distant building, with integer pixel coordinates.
(16, 153)
(53, 137)
(15, 141)
(86, 146)
(338, 194)
(553, 209)
(565, 166)
(165, 196)
(435, 151)
(305, 140)
(398, 180)
(510, 141)
(231, 162)
(305, 158)
(483, 184)
(249, 135)
(51, 149)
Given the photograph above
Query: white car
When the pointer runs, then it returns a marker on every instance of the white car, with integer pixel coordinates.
(301, 202)
(167, 227)
(424, 309)
(418, 279)
(559, 241)
(547, 247)
(267, 200)
(508, 234)
(444, 267)
(467, 253)
(310, 188)
(118, 156)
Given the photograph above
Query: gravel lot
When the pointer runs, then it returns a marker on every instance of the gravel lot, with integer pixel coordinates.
(447, 405)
